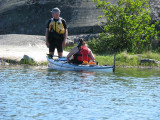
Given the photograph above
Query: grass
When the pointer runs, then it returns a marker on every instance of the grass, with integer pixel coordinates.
(104, 59)
(31, 62)
(69, 47)
(151, 55)
(23, 61)
(124, 58)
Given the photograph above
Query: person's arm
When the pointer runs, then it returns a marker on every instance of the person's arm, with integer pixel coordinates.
(72, 52)
(65, 38)
(92, 55)
(46, 34)
(66, 32)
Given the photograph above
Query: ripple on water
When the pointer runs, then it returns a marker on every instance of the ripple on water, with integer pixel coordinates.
(39, 93)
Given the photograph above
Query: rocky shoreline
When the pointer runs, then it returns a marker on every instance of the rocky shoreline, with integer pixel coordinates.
(16, 48)
(31, 49)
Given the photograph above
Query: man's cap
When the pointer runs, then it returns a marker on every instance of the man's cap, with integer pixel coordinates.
(55, 10)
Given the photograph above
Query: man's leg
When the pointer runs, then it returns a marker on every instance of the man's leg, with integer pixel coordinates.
(60, 54)
(60, 49)
(51, 49)
(51, 53)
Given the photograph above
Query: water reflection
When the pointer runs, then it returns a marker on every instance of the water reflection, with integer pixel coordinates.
(40, 93)
(138, 72)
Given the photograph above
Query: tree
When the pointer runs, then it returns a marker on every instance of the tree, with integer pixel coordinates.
(128, 25)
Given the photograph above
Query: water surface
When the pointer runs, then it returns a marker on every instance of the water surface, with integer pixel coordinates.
(38, 93)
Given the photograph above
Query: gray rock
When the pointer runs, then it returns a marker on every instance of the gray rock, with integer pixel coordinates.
(86, 37)
(149, 61)
(27, 59)
(31, 16)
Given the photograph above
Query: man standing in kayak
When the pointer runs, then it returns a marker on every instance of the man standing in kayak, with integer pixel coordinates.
(80, 53)
(56, 33)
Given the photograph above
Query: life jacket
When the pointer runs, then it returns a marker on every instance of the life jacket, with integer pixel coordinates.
(56, 26)
(82, 55)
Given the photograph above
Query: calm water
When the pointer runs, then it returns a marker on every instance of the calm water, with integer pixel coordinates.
(37, 93)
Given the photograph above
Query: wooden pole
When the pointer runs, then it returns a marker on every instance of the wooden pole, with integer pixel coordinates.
(114, 65)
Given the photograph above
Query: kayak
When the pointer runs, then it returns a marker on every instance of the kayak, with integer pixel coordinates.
(62, 64)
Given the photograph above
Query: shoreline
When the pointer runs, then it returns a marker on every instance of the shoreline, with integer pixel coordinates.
(17, 49)
(3, 63)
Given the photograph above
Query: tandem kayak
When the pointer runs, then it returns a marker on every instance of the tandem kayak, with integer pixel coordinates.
(62, 64)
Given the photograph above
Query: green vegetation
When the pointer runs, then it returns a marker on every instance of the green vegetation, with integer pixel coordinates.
(126, 59)
(31, 62)
(127, 28)
(23, 61)
(69, 47)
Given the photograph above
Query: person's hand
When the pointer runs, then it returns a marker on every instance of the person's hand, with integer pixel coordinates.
(68, 60)
(47, 44)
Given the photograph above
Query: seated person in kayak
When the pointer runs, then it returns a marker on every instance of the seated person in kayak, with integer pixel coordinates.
(80, 53)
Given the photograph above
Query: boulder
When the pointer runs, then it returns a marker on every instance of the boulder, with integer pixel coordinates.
(149, 61)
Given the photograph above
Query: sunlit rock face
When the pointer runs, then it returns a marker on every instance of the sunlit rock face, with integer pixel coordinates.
(31, 16)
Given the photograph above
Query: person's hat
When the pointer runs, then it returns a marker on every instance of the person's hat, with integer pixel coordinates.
(55, 10)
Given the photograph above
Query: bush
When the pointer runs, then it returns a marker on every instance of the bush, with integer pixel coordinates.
(102, 45)
(127, 27)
